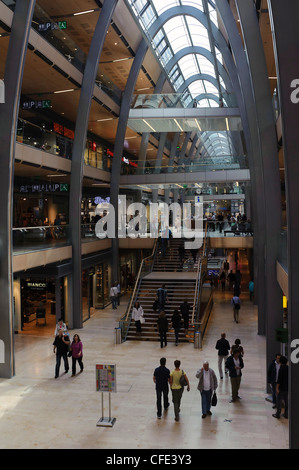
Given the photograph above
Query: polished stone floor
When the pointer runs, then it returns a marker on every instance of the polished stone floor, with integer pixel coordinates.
(40, 412)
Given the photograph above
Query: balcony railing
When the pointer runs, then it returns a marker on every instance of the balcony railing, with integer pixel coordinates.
(180, 100)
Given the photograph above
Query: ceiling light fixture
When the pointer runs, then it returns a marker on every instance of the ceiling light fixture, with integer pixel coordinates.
(149, 125)
(120, 60)
(199, 128)
(53, 176)
(106, 119)
(64, 91)
(178, 125)
(83, 12)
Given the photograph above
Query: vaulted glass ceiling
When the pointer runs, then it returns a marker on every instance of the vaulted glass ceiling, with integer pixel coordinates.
(203, 68)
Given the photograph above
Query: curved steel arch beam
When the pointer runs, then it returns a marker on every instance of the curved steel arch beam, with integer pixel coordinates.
(186, 10)
(249, 81)
(205, 53)
(201, 76)
(270, 165)
(83, 111)
(119, 144)
(13, 75)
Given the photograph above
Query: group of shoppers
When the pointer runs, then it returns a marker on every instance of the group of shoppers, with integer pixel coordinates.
(163, 378)
(64, 348)
(207, 379)
(179, 318)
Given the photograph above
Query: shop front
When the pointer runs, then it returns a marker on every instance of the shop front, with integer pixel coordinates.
(96, 283)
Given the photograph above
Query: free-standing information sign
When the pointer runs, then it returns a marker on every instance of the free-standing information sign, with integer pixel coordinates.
(106, 382)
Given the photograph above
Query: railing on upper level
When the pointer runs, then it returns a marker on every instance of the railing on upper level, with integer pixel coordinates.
(230, 228)
(182, 100)
(188, 165)
(46, 236)
(202, 265)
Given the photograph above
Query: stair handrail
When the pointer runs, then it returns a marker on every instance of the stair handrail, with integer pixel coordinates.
(125, 317)
(198, 277)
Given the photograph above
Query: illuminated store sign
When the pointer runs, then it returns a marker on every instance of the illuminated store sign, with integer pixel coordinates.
(51, 26)
(44, 188)
(124, 159)
(60, 129)
(36, 104)
(36, 285)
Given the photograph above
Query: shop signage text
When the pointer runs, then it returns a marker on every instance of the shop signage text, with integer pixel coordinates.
(36, 285)
(44, 188)
(60, 129)
(36, 104)
(57, 25)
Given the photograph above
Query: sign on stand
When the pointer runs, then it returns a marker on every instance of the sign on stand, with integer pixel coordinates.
(106, 382)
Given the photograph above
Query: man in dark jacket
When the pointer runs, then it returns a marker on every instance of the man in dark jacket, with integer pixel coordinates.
(234, 364)
(162, 324)
(272, 376)
(185, 308)
(61, 344)
(223, 350)
(161, 379)
(282, 388)
(162, 297)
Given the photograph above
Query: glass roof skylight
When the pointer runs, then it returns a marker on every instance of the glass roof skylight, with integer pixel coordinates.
(180, 32)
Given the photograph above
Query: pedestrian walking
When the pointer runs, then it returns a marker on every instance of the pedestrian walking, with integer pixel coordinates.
(162, 324)
(282, 389)
(176, 324)
(61, 345)
(251, 289)
(223, 348)
(207, 384)
(118, 293)
(185, 308)
(77, 354)
(223, 280)
(235, 364)
(181, 251)
(272, 376)
(231, 279)
(161, 378)
(114, 296)
(238, 346)
(176, 388)
(162, 297)
(236, 303)
(137, 315)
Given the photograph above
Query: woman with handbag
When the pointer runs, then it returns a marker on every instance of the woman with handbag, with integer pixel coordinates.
(77, 354)
(207, 384)
(137, 315)
(177, 388)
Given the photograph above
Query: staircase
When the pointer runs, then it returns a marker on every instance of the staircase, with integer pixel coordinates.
(171, 261)
(182, 281)
(178, 290)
